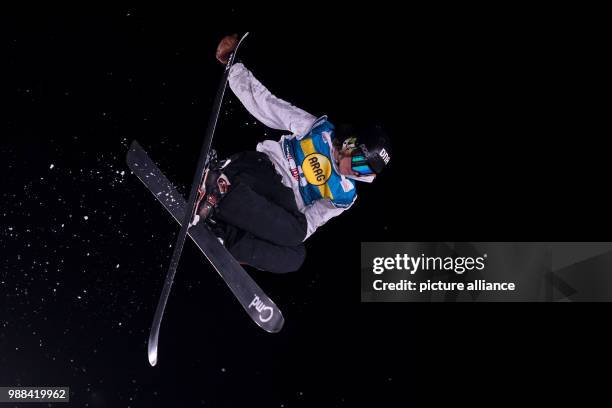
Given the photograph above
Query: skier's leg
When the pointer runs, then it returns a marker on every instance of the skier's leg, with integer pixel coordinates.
(267, 256)
(259, 203)
(258, 172)
(245, 209)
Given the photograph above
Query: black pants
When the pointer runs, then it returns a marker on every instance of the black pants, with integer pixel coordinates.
(263, 226)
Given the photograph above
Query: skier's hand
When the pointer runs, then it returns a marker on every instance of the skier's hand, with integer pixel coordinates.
(226, 47)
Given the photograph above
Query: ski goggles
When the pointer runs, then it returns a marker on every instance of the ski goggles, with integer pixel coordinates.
(359, 163)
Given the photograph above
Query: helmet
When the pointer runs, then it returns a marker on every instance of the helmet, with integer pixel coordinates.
(370, 148)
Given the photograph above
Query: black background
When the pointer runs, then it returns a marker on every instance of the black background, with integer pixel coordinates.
(490, 129)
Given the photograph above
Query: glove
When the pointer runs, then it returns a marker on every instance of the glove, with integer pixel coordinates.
(226, 47)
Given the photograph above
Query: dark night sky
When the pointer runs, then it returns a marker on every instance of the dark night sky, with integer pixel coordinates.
(85, 247)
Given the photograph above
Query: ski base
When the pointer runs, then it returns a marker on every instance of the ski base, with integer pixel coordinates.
(256, 303)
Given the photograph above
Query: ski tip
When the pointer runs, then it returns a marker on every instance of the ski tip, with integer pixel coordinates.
(276, 329)
(153, 356)
(245, 35)
(278, 324)
(134, 148)
(134, 145)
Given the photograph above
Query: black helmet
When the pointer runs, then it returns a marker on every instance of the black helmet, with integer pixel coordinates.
(370, 146)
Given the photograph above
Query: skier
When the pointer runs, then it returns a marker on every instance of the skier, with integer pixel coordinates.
(264, 204)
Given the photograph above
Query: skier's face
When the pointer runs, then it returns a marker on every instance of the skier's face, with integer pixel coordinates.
(343, 159)
(344, 165)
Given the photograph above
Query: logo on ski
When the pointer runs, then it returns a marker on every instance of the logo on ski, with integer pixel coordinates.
(262, 309)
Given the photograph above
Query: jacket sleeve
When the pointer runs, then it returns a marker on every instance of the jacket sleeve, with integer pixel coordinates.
(265, 107)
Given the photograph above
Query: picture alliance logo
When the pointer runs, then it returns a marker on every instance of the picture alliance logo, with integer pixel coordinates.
(405, 262)
(265, 312)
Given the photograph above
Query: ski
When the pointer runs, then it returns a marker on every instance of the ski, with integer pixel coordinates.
(190, 210)
(257, 304)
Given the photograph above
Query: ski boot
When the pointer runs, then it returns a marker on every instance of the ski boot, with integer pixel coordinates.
(214, 187)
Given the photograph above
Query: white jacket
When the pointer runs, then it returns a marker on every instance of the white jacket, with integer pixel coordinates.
(278, 114)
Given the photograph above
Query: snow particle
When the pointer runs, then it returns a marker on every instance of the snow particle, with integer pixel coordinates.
(51, 166)
(85, 217)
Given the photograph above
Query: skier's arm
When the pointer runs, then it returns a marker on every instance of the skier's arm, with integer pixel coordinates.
(267, 108)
